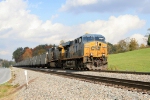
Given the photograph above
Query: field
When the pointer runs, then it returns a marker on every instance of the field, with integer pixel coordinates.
(137, 60)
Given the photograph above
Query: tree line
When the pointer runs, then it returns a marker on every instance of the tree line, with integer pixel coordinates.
(6, 63)
(23, 53)
(126, 45)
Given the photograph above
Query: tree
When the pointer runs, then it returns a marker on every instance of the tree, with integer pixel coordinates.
(62, 41)
(17, 54)
(111, 48)
(133, 45)
(41, 51)
(27, 53)
(148, 37)
(142, 46)
(7, 63)
(121, 46)
(148, 41)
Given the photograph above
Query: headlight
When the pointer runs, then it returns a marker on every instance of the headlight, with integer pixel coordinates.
(103, 54)
(91, 54)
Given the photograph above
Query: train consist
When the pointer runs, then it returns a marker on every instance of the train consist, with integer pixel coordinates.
(88, 52)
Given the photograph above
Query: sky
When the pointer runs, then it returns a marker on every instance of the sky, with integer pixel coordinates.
(28, 23)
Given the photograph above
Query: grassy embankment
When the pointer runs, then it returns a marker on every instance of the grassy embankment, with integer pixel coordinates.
(137, 60)
(7, 88)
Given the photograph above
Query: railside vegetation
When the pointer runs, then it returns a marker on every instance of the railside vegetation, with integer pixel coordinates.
(137, 60)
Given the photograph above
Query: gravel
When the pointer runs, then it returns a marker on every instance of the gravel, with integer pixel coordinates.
(52, 87)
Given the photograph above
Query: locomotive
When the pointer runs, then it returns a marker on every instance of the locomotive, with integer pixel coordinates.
(87, 52)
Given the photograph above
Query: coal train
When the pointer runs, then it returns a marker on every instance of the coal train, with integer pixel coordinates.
(87, 52)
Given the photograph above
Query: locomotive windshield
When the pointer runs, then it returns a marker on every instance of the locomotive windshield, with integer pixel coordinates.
(88, 39)
(102, 39)
(91, 38)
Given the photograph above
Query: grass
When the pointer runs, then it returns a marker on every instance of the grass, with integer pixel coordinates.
(7, 88)
(137, 60)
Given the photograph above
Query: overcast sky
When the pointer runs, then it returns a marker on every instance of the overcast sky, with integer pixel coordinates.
(32, 22)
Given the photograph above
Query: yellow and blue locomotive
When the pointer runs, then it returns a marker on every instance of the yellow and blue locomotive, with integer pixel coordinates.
(86, 52)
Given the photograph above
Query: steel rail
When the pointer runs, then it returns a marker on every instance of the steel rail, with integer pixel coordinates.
(109, 71)
(115, 81)
(123, 72)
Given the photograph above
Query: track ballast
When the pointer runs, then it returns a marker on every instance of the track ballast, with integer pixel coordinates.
(131, 85)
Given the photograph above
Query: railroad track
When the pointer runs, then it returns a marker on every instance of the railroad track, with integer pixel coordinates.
(108, 71)
(123, 72)
(131, 85)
